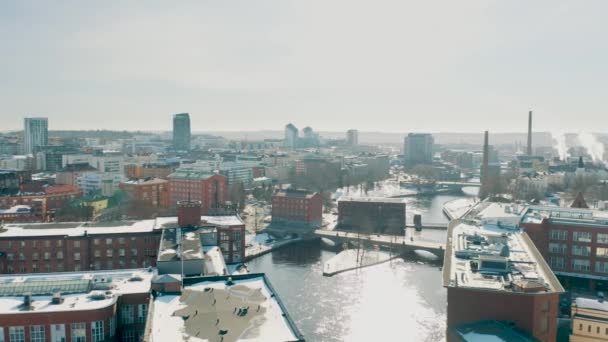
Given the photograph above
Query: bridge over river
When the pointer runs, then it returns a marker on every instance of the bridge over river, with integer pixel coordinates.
(398, 244)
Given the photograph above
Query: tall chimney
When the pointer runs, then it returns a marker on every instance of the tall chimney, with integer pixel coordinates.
(530, 133)
(484, 166)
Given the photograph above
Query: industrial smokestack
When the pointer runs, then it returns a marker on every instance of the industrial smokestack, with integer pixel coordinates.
(484, 166)
(530, 133)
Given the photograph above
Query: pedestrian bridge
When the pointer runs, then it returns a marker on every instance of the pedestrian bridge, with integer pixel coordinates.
(398, 244)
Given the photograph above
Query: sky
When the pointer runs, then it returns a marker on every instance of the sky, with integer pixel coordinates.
(383, 65)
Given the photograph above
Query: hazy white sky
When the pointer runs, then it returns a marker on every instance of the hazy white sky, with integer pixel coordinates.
(245, 65)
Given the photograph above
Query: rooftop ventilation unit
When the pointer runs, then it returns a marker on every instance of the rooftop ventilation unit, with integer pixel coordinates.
(57, 299)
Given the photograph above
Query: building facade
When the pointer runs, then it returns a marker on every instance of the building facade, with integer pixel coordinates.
(209, 188)
(297, 207)
(181, 132)
(372, 215)
(154, 192)
(418, 148)
(35, 134)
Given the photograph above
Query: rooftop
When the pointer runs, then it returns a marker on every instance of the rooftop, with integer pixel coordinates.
(574, 216)
(372, 199)
(295, 193)
(494, 258)
(145, 181)
(592, 304)
(491, 331)
(191, 175)
(222, 309)
(17, 209)
(79, 291)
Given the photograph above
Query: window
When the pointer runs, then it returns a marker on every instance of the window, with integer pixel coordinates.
(601, 266)
(558, 234)
(37, 333)
(97, 253)
(581, 265)
(1, 334)
(126, 314)
(108, 241)
(79, 332)
(581, 236)
(60, 255)
(142, 313)
(96, 241)
(121, 252)
(112, 325)
(129, 336)
(76, 256)
(21, 257)
(97, 331)
(10, 256)
(133, 251)
(22, 244)
(59, 243)
(16, 334)
(60, 267)
(47, 255)
(76, 244)
(121, 240)
(34, 256)
(34, 268)
(109, 253)
(47, 243)
(556, 263)
(581, 250)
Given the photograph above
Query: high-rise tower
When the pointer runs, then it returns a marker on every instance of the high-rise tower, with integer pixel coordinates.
(35, 134)
(485, 166)
(181, 132)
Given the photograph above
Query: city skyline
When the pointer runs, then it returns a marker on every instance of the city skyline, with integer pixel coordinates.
(457, 67)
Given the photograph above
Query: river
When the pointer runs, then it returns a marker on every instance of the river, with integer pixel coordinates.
(398, 301)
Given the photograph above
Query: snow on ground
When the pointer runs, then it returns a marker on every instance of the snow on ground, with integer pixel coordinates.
(457, 208)
(348, 259)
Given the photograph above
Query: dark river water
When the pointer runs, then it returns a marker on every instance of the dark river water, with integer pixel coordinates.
(398, 301)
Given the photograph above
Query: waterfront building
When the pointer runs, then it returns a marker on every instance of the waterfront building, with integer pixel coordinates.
(589, 320)
(418, 148)
(297, 208)
(35, 134)
(209, 188)
(153, 192)
(493, 271)
(89, 306)
(574, 241)
(181, 132)
(239, 307)
(372, 215)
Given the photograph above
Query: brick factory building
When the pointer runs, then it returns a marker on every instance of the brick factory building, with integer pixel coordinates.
(154, 192)
(84, 246)
(493, 271)
(89, 306)
(52, 197)
(574, 241)
(297, 208)
(372, 215)
(208, 188)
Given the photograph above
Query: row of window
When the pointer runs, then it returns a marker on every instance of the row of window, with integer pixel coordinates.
(97, 265)
(127, 315)
(556, 234)
(75, 243)
(579, 250)
(580, 265)
(59, 255)
(589, 326)
(58, 333)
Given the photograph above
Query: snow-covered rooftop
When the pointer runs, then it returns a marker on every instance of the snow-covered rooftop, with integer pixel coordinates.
(492, 257)
(593, 304)
(580, 216)
(79, 291)
(246, 310)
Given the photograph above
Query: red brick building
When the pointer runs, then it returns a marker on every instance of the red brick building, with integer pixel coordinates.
(67, 247)
(494, 273)
(298, 207)
(153, 192)
(208, 188)
(52, 197)
(574, 241)
(24, 213)
(92, 306)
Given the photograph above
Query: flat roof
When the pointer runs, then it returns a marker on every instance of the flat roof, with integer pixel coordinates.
(79, 290)
(295, 193)
(592, 304)
(492, 331)
(12, 230)
(372, 199)
(493, 258)
(191, 175)
(245, 309)
(575, 216)
(145, 181)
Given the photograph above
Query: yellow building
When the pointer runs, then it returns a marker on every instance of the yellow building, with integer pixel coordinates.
(98, 205)
(589, 320)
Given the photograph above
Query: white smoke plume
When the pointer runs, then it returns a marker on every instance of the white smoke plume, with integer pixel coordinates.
(592, 145)
(559, 138)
